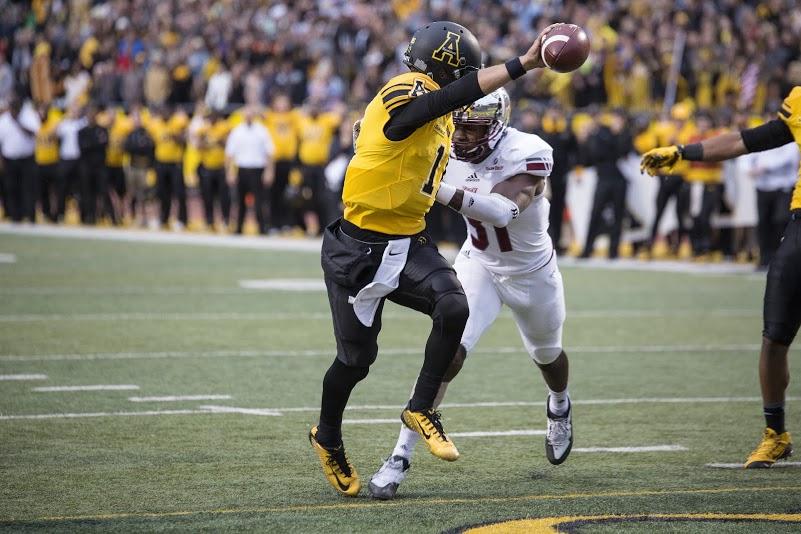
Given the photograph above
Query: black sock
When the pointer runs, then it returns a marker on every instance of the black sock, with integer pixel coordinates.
(424, 392)
(339, 381)
(774, 417)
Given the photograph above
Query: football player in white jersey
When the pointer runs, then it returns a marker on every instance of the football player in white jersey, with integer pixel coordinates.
(496, 179)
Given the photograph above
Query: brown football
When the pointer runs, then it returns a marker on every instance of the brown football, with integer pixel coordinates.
(565, 48)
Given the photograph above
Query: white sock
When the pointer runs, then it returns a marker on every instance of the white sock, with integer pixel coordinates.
(559, 402)
(407, 439)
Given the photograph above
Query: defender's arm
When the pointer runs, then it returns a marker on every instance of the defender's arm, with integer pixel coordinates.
(501, 206)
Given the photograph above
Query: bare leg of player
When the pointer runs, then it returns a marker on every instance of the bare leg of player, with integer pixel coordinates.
(774, 377)
(774, 373)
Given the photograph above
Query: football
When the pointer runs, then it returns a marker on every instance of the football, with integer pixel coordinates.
(565, 48)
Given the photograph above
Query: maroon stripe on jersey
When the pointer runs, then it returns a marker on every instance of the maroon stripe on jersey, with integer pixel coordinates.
(537, 166)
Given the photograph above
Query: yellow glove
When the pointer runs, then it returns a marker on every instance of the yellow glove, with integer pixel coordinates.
(658, 158)
(791, 113)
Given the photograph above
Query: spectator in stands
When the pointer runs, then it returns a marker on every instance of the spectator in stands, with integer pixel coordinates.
(69, 153)
(18, 128)
(140, 148)
(282, 123)
(249, 151)
(46, 156)
(93, 142)
(775, 172)
(709, 177)
(672, 185)
(119, 126)
(168, 132)
(601, 145)
(553, 128)
(318, 130)
(212, 135)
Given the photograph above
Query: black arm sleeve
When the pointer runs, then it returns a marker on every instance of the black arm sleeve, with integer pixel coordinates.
(772, 134)
(405, 119)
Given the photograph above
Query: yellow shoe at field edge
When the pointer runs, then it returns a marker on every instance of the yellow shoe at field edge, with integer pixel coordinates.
(772, 448)
(427, 423)
(337, 468)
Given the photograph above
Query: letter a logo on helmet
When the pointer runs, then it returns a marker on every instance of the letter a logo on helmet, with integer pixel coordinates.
(448, 50)
(443, 50)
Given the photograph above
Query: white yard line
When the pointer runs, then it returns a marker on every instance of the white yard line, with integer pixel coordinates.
(23, 377)
(284, 284)
(371, 421)
(313, 245)
(256, 353)
(661, 266)
(186, 238)
(497, 434)
(390, 407)
(740, 465)
(326, 316)
(8, 258)
(577, 402)
(122, 290)
(647, 448)
(100, 414)
(244, 411)
(180, 398)
(98, 387)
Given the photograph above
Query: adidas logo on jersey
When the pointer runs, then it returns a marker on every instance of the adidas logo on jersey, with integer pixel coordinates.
(472, 178)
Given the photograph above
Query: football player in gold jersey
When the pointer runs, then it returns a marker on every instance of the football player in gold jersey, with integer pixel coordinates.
(380, 249)
(782, 303)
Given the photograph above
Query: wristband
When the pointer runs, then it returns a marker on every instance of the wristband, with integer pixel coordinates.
(694, 152)
(515, 68)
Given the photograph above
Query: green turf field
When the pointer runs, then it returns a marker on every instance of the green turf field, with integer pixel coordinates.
(657, 360)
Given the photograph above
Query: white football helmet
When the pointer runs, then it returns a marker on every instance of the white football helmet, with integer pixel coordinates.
(492, 111)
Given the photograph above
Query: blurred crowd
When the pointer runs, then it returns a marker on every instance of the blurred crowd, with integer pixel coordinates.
(83, 75)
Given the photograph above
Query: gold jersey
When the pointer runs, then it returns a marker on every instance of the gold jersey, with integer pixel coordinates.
(316, 136)
(46, 148)
(167, 136)
(212, 153)
(391, 185)
(121, 127)
(283, 127)
(791, 115)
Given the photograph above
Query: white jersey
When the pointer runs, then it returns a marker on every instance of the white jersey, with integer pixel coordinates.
(524, 245)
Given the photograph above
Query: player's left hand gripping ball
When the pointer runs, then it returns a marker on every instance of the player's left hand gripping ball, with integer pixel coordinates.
(658, 158)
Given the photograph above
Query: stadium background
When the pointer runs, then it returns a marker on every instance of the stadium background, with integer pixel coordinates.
(735, 61)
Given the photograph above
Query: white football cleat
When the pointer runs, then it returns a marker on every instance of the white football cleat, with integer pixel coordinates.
(385, 482)
(559, 436)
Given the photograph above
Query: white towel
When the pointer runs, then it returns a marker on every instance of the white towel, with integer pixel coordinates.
(385, 281)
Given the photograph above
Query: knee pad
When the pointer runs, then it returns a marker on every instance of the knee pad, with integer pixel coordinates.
(451, 311)
(546, 355)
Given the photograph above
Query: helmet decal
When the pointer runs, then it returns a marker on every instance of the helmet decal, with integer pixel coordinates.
(449, 50)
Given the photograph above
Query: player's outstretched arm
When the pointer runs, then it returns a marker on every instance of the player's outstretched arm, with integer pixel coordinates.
(725, 146)
(504, 204)
(405, 119)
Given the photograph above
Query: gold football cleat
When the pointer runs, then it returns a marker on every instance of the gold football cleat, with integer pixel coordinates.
(427, 423)
(337, 468)
(772, 448)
